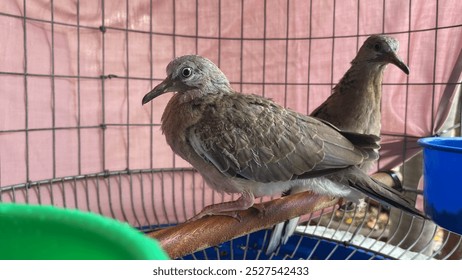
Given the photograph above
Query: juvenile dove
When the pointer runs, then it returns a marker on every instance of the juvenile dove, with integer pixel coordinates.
(250, 145)
(354, 105)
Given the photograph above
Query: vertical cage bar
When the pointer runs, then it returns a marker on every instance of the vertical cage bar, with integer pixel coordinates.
(53, 90)
(127, 83)
(308, 92)
(79, 115)
(26, 95)
(286, 58)
(103, 70)
(264, 49)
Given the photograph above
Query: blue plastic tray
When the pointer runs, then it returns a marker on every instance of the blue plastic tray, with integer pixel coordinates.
(252, 247)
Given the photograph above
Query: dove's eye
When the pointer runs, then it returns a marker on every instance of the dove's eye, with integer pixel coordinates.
(377, 47)
(186, 72)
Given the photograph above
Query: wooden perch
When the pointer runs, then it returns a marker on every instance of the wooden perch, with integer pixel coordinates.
(186, 238)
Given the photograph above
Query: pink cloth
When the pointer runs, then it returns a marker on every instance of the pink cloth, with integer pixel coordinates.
(297, 65)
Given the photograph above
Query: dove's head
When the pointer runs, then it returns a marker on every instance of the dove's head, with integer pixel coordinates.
(381, 50)
(190, 72)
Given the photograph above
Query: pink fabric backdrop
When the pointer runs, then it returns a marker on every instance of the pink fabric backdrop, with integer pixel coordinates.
(248, 42)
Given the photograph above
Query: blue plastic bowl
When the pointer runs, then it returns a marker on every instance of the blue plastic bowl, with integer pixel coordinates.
(443, 181)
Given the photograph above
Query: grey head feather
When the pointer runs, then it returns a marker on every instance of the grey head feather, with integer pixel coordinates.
(205, 75)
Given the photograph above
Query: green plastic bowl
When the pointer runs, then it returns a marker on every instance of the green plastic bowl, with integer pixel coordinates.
(35, 232)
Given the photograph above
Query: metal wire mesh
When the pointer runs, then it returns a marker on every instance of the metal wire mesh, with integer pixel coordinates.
(74, 134)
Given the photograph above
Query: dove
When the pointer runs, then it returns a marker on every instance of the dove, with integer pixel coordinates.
(354, 105)
(252, 146)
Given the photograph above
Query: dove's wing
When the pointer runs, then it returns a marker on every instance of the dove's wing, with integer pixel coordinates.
(256, 139)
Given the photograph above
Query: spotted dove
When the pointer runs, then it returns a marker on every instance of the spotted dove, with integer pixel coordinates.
(246, 144)
(354, 105)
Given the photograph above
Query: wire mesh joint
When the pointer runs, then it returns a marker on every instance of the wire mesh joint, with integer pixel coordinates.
(110, 76)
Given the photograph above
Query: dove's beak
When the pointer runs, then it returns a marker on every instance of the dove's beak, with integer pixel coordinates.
(165, 86)
(396, 60)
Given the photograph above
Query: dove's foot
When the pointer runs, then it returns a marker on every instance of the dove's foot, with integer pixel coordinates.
(229, 208)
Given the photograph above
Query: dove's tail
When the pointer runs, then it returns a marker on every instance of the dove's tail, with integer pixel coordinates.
(281, 233)
(357, 179)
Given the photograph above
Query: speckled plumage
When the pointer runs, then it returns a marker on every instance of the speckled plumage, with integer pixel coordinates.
(250, 145)
(354, 104)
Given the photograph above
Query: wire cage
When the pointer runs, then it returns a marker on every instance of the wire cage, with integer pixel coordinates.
(73, 132)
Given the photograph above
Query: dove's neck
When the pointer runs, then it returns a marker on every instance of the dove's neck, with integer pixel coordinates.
(178, 116)
(183, 111)
(362, 79)
(355, 102)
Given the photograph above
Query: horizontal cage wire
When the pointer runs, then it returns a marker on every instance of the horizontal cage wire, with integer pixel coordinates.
(74, 134)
